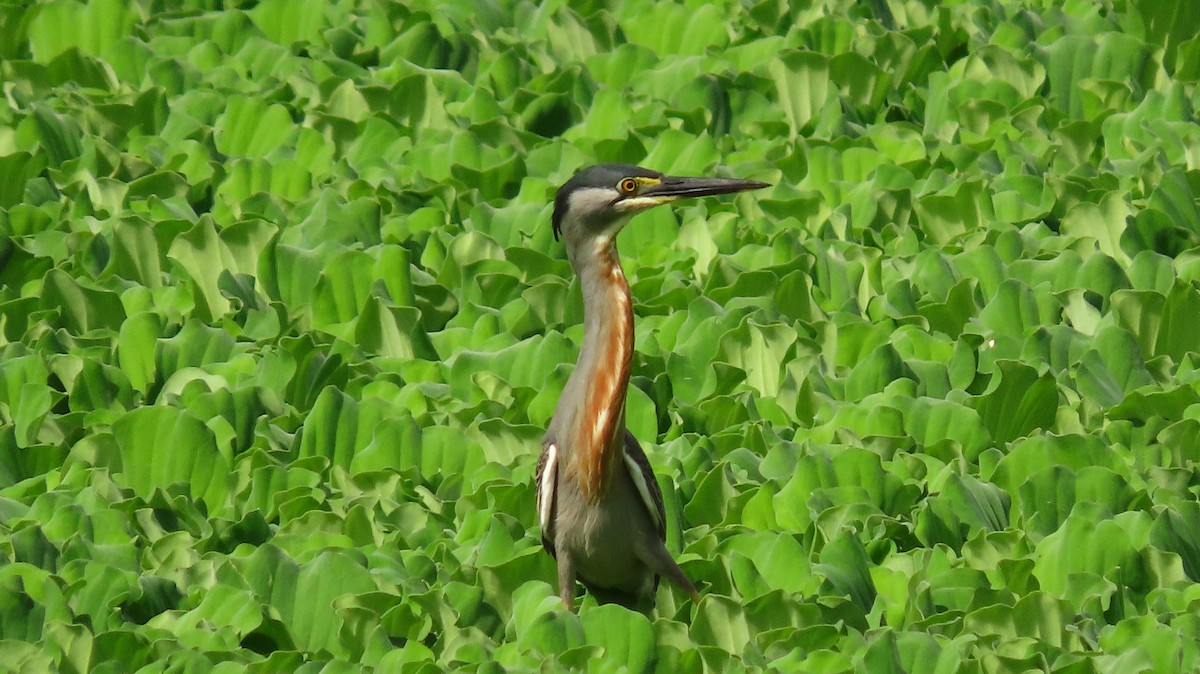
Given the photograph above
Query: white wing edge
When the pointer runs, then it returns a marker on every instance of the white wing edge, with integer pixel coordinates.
(546, 484)
(639, 481)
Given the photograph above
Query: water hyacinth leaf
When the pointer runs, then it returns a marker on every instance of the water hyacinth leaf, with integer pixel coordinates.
(1108, 56)
(698, 31)
(29, 409)
(1113, 368)
(758, 350)
(338, 427)
(627, 637)
(1047, 497)
(845, 565)
(93, 27)
(195, 345)
(136, 344)
(1177, 530)
(1033, 454)
(1019, 403)
(163, 446)
(722, 622)
(1166, 24)
(393, 331)
(978, 503)
(15, 169)
(247, 128)
(930, 422)
(83, 308)
(803, 87)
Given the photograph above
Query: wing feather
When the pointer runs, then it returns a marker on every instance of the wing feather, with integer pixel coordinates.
(547, 485)
(647, 487)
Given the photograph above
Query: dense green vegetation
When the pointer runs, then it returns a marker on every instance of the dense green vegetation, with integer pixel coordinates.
(282, 321)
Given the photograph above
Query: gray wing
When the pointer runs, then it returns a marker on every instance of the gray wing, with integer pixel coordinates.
(647, 486)
(546, 484)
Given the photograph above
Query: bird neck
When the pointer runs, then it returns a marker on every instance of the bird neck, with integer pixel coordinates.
(601, 375)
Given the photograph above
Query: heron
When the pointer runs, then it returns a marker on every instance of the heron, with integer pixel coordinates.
(599, 508)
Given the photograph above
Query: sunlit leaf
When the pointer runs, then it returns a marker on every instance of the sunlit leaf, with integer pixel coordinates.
(163, 446)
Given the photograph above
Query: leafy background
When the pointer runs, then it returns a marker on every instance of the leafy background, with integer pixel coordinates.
(282, 321)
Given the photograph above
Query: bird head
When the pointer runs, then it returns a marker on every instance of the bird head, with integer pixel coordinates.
(598, 200)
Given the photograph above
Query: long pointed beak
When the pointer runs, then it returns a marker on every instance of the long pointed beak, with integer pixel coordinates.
(678, 187)
(672, 188)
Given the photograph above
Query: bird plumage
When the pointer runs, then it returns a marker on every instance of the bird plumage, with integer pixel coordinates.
(599, 176)
(600, 510)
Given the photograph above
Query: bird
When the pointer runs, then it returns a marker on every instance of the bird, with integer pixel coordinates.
(600, 510)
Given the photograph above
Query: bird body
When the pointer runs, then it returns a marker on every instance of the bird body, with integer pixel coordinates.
(599, 507)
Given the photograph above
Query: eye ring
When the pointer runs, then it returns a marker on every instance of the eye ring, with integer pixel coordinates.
(627, 185)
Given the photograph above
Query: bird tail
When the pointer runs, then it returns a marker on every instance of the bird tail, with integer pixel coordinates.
(665, 566)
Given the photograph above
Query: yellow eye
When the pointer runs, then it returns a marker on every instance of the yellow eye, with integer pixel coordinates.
(628, 185)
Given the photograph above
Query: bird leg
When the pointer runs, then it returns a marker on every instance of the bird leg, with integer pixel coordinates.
(566, 579)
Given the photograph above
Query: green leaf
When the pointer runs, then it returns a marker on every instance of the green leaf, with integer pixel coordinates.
(979, 504)
(721, 621)
(1034, 454)
(1073, 59)
(248, 128)
(195, 345)
(84, 308)
(627, 637)
(93, 27)
(1048, 497)
(770, 563)
(136, 343)
(539, 626)
(948, 215)
(1112, 369)
(338, 427)
(930, 422)
(1167, 25)
(203, 256)
(1086, 543)
(393, 331)
(1018, 402)
(758, 350)
(845, 566)
(1146, 645)
(1177, 529)
(1159, 322)
(163, 446)
(802, 86)
(695, 31)
(15, 170)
